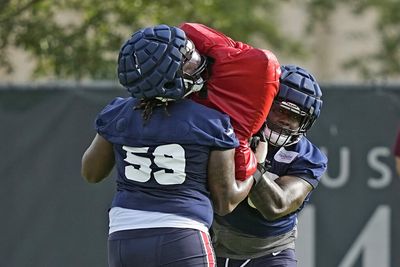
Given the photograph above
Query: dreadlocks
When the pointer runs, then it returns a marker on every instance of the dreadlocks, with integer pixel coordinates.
(148, 105)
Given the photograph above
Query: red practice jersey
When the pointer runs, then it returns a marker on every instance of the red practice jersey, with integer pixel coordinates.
(242, 83)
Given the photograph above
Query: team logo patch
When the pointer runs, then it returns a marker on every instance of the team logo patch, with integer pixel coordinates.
(285, 156)
(229, 131)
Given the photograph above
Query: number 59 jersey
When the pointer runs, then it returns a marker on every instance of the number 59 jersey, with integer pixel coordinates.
(162, 162)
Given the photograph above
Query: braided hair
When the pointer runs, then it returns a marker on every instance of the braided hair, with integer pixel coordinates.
(147, 105)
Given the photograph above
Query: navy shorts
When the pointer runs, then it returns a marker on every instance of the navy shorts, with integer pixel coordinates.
(286, 258)
(173, 247)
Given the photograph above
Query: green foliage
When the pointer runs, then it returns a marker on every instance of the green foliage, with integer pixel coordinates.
(84, 42)
(383, 63)
(388, 27)
(76, 39)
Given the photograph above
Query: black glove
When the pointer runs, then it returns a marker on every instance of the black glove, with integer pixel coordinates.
(258, 137)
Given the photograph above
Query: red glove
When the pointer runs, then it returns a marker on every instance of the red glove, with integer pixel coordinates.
(242, 84)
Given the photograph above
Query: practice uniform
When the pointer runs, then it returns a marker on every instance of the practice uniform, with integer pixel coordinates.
(162, 198)
(245, 236)
(244, 93)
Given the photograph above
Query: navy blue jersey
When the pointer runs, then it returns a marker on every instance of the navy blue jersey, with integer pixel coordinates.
(162, 164)
(303, 160)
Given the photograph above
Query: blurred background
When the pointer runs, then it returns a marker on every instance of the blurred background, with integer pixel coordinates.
(58, 69)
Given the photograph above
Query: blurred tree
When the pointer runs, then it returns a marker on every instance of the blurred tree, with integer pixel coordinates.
(383, 63)
(80, 39)
(76, 39)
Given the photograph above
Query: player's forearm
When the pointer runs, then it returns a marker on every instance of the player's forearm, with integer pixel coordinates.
(227, 200)
(241, 191)
(94, 170)
(269, 199)
(98, 160)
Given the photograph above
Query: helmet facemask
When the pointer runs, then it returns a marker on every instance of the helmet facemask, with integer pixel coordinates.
(193, 64)
(285, 124)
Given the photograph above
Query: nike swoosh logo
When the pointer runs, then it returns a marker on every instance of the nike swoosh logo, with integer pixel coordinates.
(276, 253)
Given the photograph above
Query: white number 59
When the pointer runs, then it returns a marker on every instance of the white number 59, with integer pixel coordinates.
(167, 157)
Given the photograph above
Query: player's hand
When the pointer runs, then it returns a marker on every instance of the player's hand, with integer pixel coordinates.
(257, 138)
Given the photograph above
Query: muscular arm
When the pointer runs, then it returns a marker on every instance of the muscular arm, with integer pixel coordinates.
(98, 160)
(226, 191)
(275, 199)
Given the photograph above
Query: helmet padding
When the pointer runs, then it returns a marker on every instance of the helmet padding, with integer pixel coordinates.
(149, 63)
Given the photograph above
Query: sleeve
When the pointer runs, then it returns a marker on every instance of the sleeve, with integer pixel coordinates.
(103, 122)
(213, 128)
(227, 138)
(310, 167)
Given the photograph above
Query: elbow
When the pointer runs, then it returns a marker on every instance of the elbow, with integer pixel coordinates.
(223, 212)
(275, 211)
(91, 177)
(223, 209)
(92, 173)
(92, 180)
(220, 212)
(272, 216)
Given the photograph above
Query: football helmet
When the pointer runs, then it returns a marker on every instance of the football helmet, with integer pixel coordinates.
(299, 98)
(160, 62)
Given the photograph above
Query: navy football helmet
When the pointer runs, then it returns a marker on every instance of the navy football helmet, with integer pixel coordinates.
(299, 97)
(160, 62)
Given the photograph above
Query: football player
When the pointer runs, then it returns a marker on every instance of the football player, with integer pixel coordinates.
(174, 157)
(262, 230)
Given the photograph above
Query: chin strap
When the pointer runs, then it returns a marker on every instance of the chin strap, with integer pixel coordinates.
(195, 86)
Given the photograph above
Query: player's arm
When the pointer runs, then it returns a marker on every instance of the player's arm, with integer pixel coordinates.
(226, 191)
(275, 199)
(98, 160)
(397, 159)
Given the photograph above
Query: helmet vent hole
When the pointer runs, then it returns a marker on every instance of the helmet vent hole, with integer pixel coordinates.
(169, 85)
